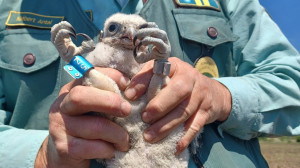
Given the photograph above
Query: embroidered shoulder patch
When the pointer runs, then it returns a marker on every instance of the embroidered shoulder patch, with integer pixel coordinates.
(210, 4)
(29, 19)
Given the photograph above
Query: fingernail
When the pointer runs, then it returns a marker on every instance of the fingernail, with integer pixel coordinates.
(149, 135)
(179, 148)
(125, 108)
(124, 82)
(130, 93)
(146, 117)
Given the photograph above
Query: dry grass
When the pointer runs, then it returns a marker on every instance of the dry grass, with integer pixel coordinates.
(281, 154)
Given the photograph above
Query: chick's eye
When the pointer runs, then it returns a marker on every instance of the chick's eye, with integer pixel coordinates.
(112, 28)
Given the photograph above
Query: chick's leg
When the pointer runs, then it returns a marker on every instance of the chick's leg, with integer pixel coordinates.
(150, 36)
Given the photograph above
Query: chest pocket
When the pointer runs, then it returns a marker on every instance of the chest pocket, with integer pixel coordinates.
(15, 44)
(28, 65)
(199, 29)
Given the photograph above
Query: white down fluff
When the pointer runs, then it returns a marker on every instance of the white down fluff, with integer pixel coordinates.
(141, 153)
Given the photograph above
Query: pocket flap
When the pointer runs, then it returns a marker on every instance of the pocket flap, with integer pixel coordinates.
(193, 24)
(36, 42)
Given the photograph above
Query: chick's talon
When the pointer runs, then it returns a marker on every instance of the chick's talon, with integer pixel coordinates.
(61, 34)
(87, 38)
(150, 35)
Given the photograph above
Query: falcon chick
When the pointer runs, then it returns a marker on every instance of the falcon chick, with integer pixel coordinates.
(128, 41)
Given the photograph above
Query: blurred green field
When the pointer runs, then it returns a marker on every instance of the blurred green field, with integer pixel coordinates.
(281, 152)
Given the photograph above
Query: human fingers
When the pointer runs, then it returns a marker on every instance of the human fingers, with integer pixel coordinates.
(177, 90)
(82, 99)
(193, 126)
(71, 148)
(182, 112)
(205, 114)
(97, 127)
(215, 105)
(121, 80)
(140, 82)
(72, 111)
(65, 149)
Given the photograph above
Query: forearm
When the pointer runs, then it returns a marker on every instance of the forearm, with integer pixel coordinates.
(265, 95)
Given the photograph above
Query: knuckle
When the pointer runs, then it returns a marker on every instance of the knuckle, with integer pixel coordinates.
(194, 130)
(182, 88)
(55, 123)
(186, 111)
(61, 148)
(194, 73)
(100, 124)
(157, 107)
(207, 104)
(72, 147)
(75, 95)
(54, 126)
(114, 104)
(204, 84)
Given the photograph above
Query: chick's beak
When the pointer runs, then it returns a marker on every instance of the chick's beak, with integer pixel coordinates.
(129, 33)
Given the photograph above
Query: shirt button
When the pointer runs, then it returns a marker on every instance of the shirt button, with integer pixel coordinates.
(212, 32)
(29, 59)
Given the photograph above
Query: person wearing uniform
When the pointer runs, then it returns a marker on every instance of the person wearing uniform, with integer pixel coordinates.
(252, 88)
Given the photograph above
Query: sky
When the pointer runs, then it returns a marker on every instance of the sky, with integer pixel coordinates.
(286, 14)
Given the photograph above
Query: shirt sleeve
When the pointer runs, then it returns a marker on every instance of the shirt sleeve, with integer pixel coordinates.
(18, 147)
(265, 94)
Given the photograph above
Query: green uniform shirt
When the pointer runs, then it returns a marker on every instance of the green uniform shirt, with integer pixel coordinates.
(255, 62)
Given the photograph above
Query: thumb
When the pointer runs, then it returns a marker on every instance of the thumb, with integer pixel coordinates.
(140, 82)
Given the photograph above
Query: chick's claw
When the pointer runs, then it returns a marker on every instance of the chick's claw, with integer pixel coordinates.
(62, 25)
(61, 38)
(150, 35)
(148, 25)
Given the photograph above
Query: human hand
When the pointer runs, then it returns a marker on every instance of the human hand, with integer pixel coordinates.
(189, 97)
(76, 137)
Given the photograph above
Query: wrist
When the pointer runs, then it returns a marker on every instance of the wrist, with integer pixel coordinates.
(226, 103)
